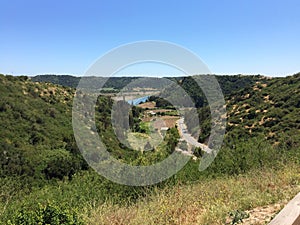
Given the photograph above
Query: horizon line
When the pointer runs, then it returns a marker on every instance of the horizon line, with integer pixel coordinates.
(152, 75)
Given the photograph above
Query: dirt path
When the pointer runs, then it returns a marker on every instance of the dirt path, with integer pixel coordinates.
(261, 215)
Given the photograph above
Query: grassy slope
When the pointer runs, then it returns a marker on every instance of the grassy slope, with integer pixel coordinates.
(207, 202)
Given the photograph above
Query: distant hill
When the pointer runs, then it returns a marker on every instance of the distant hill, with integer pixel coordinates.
(268, 108)
(64, 80)
(228, 84)
(72, 81)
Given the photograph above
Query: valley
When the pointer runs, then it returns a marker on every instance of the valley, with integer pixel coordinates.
(43, 171)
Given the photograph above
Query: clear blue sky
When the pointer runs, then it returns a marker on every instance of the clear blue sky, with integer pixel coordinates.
(231, 36)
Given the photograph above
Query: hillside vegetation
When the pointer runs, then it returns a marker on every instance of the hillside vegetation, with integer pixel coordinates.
(36, 132)
(271, 108)
(44, 179)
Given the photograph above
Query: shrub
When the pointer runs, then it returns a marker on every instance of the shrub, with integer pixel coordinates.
(48, 214)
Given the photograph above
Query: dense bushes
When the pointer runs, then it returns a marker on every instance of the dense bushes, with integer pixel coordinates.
(48, 214)
(36, 133)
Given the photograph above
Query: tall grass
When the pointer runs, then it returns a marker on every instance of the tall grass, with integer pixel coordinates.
(208, 202)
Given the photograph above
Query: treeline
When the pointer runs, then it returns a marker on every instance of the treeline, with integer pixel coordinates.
(72, 81)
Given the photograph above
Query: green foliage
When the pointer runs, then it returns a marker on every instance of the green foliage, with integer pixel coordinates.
(228, 84)
(244, 156)
(198, 152)
(237, 216)
(48, 214)
(36, 124)
(59, 164)
(269, 108)
(172, 139)
(135, 121)
(160, 102)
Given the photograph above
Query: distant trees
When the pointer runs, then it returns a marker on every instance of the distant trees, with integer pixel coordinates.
(160, 102)
(172, 139)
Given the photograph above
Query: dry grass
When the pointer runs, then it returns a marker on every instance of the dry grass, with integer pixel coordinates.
(149, 105)
(162, 121)
(170, 121)
(262, 214)
(208, 202)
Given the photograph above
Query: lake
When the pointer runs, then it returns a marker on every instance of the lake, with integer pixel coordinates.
(138, 100)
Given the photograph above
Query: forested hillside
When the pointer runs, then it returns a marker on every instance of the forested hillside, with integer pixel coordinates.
(36, 132)
(269, 108)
